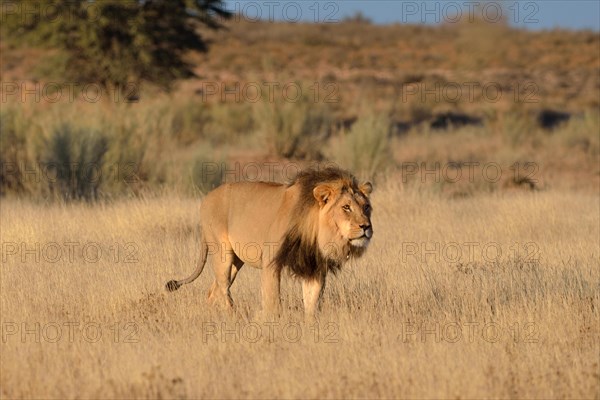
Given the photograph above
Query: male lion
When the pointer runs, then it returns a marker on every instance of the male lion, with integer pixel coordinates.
(311, 226)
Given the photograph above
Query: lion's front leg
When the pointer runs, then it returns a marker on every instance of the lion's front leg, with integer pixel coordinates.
(270, 280)
(312, 289)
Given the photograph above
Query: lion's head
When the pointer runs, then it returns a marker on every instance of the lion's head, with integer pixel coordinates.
(331, 223)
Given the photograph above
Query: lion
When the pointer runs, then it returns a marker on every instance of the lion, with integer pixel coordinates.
(311, 226)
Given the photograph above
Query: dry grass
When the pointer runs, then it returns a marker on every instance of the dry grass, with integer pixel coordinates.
(543, 310)
(410, 319)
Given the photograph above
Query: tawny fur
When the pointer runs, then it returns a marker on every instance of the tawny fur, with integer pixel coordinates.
(312, 226)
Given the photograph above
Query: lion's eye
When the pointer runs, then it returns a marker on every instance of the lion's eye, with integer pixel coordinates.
(346, 207)
(367, 208)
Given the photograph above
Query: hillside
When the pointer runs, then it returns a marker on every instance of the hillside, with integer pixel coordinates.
(294, 92)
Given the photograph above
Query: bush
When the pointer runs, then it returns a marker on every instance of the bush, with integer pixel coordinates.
(74, 161)
(581, 132)
(228, 122)
(13, 152)
(364, 149)
(189, 121)
(42, 155)
(208, 169)
(294, 130)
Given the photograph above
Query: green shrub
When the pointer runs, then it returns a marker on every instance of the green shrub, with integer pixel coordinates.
(208, 169)
(365, 148)
(12, 151)
(518, 127)
(581, 132)
(73, 162)
(228, 122)
(188, 121)
(294, 129)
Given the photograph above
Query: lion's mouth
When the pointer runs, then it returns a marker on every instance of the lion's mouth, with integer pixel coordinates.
(360, 241)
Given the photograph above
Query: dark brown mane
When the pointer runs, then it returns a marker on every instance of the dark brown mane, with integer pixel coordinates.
(301, 254)
(310, 178)
(303, 258)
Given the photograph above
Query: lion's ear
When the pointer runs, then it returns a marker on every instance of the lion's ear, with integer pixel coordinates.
(323, 193)
(366, 188)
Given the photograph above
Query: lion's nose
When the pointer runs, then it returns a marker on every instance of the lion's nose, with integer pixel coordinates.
(367, 230)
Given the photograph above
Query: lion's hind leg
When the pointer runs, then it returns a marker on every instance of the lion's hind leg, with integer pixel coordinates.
(226, 266)
(235, 268)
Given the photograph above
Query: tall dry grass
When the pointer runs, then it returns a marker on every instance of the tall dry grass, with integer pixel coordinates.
(90, 151)
(432, 310)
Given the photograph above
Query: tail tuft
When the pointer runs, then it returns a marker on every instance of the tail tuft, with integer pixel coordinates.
(172, 286)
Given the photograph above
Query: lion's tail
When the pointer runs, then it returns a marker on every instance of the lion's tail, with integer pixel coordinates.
(173, 285)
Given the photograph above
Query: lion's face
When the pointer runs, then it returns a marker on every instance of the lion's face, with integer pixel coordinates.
(351, 212)
(345, 216)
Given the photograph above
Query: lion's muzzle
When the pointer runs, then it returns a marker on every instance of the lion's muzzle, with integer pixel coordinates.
(364, 236)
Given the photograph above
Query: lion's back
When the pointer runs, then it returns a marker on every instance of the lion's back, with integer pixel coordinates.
(243, 211)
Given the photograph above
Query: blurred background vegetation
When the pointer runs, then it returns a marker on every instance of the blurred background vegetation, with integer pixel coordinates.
(181, 84)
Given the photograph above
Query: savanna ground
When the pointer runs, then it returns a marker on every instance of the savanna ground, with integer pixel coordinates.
(482, 285)
(491, 296)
